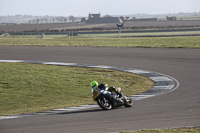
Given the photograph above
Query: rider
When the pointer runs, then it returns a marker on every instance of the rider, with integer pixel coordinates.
(95, 85)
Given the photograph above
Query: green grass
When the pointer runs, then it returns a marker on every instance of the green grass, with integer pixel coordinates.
(26, 88)
(192, 17)
(141, 34)
(177, 130)
(155, 42)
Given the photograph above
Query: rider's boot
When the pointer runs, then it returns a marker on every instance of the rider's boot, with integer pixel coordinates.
(119, 100)
(119, 94)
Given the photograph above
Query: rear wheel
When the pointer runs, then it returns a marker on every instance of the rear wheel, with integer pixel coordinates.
(104, 103)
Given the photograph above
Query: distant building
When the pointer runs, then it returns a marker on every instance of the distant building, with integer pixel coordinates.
(173, 18)
(84, 19)
(91, 16)
(96, 18)
(104, 20)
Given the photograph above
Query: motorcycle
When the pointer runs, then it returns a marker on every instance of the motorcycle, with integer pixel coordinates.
(109, 100)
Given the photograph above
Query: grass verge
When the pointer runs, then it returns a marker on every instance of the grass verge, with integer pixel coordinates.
(152, 42)
(177, 130)
(26, 88)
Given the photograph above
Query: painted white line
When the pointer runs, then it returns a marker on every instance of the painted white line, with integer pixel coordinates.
(160, 78)
(11, 61)
(9, 117)
(140, 97)
(137, 71)
(88, 106)
(67, 109)
(81, 107)
(57, 63)
(72, 108)
(105, 67)
(169, 87)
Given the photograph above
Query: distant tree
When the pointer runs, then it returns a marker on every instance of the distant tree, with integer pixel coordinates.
(46, 20)
(72, 18)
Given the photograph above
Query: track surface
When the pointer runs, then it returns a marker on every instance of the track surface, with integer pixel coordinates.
(179, 108)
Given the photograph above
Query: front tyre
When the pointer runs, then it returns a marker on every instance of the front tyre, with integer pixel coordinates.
(104, 103)
(128, 102)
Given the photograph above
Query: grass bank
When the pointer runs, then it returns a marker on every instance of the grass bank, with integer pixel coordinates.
(177, 130)
(152, 42)
(26, 88)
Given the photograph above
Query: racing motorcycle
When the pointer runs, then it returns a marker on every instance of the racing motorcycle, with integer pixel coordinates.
(108, 100)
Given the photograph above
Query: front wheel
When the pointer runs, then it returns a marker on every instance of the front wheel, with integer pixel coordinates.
(128, 102)
(104, 103)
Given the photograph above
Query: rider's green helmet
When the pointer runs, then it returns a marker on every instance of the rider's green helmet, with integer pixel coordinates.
(94, 83)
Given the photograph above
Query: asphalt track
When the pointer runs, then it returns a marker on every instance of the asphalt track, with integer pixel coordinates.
(180, 108)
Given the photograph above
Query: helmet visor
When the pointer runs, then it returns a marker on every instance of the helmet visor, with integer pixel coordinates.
(93, 88)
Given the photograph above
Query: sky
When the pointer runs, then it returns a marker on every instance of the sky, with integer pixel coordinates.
(105, 7)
